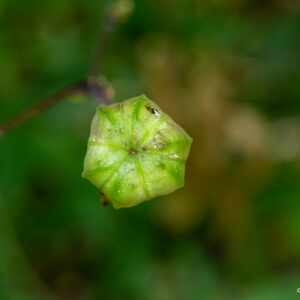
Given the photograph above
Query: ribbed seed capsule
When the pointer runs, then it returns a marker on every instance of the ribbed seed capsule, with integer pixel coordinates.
(135, 152)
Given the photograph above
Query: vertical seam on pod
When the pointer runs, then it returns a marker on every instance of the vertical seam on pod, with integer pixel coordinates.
(140, 170)
(114, 172)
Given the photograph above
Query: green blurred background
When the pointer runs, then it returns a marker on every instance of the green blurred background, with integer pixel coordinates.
(228, 71)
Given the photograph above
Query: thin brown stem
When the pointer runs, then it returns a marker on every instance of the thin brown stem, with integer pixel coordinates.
(107, 28)
(92, 86)
(115, 14)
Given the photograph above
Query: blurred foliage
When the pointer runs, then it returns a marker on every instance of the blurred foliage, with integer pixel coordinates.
(229, 73)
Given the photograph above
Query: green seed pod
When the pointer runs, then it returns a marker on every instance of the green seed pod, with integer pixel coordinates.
(135, 152)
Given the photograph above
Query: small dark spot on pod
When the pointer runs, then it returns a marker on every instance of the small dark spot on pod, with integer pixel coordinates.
(162, 165)
(153, 110)
(104, 200)
(132, 151)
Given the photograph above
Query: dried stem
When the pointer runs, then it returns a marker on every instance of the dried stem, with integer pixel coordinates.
(108, 27)
(92, 86)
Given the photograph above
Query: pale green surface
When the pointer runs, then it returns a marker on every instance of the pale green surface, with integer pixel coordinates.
(135, 152)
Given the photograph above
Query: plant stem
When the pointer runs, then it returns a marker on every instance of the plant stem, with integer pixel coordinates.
(91, 86)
